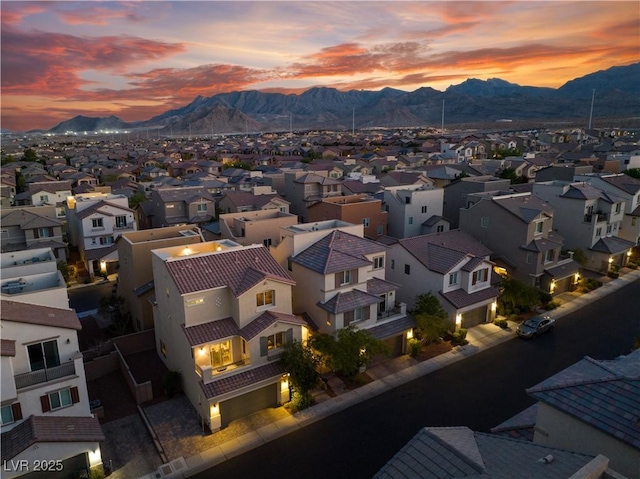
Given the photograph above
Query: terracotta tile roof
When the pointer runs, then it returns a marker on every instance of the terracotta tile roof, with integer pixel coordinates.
(379, 286)
(239, 269)
(440, 252)
(461, 299)
(348, 301)
(338, 251)
(37, 429)
(229, 384)
(97, 209)
(36, 314)
(211, 331)
(7, 347)
(265, 320)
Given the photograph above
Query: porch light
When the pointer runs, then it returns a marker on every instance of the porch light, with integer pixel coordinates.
(95, 457)
(629, 253)
(610, 260)
(186, 251)
(410, 334)
(219, 248)
(214, 410)
(284, 385)
(552, 286)
(202, 351)
(458, 319)
(494, 306)
(103, 266)
(577, 277)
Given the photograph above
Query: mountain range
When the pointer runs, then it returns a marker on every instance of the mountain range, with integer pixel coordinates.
(617, 94)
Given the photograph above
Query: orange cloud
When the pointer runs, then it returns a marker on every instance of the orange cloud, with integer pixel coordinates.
(12, 13)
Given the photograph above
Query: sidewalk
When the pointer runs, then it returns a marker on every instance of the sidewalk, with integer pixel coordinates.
(388, 375)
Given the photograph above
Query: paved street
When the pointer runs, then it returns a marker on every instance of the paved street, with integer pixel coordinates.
(478, 392)
(86, 298)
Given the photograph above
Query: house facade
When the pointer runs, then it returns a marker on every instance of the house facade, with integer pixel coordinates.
(222, 315)
(181, 206)
(455, 194)
(26, 229)
(355, 209)
(453, 266)
(519, 229)
(255, 227)
(46, 414)
(410, 206)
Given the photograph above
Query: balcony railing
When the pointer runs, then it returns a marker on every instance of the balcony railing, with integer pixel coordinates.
(43, 375)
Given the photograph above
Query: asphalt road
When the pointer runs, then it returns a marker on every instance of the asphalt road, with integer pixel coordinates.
(86, 298)
(479, 392)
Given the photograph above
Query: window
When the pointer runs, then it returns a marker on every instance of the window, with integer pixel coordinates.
(393, 264)
(170, 205)
(201, 207)
(618, 207)
(343, 277)
(121, 221)
(11, 413)
(529, 257)
(106, 239)
(194, 302)
(221, 354)
(44, 232)
(289, 264)
(424, 209)
(275, 341)
(265, 298)
(267, 242)
(480, 276)
(407, 200)
(365, 222)
(97, 223)
(548, 256)
(453, 278)
(358, 314)
(407, 269)
(484, 222)
(538, 227)
(44, 198)
(599, 232)
(60, 399)
(380, 229)
(43, 355)
(410, 220)
(378, 262)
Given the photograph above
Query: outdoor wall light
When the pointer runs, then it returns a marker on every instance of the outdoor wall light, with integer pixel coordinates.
(410, 334)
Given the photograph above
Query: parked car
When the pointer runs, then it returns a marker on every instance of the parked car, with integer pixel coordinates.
(535, 326)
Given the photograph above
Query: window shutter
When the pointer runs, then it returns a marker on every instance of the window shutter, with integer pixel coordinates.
(263, 345)
(75, 395)
(290, 335)
(354, 276)
(366, 313)
(338, 280)
(17, 411)
(44, 402)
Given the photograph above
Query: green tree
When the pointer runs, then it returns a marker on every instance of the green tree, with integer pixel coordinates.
(510, 174)
(29, 155)
(301, 363)
(580, 256)
(349, 350)
(432, 321)
(516, 296)
(137, 198)
(633, 172)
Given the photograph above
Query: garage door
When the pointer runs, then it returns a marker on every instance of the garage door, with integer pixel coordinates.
(247, 404)
(474, 317)
(563, 285)
(395, 350)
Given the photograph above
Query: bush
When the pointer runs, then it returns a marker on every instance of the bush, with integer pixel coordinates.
(459, 337)
(552, 305)
(545, 297)
(414, 347)
(301, 401)
(501, 323)
(613, 274)
(632, 265)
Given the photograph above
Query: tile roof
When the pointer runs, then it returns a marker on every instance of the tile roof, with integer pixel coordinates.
(37, 314)
(624, 182)
(97, 253)
(348, 301)
(432, 220)
(239, 269)
(265, 320)
(97, 208)
(338, 251)
(450, 452)
(379, 286)
(523, 420)
(542, 244)
(602, 394)
(440, 252)
(37, 429)
(243, 379)
(244, 198)
(146, 287)
(7, 347)
(527, 208)
(461, 299)
(612, 245)
(563, 270)
(183, 193)
(392, 327)
(28, 220)
(211, 331)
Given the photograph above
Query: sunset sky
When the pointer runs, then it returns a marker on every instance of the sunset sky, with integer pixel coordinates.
(138, 59)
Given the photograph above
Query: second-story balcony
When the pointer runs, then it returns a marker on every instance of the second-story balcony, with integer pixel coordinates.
(598, 217)
(44, 375)
(207, 373)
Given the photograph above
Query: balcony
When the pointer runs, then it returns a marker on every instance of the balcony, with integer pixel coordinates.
(400, 309)
(44, 375)
(208, 374)
(599, 217)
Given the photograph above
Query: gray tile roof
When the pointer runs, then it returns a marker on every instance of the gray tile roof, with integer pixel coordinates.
(461, 299)
(563, 270)
(97, 209)
(524, 419)
(585, 191)
(602, 394)
(612, 245)
(211, 331)
(527, 208)
(97, 253)
(456, 452)
(243, 379)
(146, 287)
(348, 301)
(392, 327)
(28, 220)
(239, 269)
(441, 252)
(542, 244)
(624, 182)
(379, 286)
(265, 320)
(38, 429)
(432, 220)
(183, 193)
(338, 251)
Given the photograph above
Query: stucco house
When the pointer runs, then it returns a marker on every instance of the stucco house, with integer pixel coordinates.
(410, 206)
(453, 266)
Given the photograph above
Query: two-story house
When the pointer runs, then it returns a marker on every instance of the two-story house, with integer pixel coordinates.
(455, 194)
(255, 227)
(303, 189)
(413, 208)
(25, 229)
(356, 209)
(625, 187)
(94, 222)
(181, 206)
(518, 228)
(222, 315)
(453, 266)
(259, 198)
(340, 281)
(588, 218)
(46, 414)
(49, 192)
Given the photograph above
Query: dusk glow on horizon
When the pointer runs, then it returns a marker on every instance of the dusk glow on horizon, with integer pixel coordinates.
(135, 60)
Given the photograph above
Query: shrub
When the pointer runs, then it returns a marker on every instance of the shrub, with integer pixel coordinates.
(512, 317)
(552, 305)
(613, 274)
(301, 401)
(414, 347)
(501, 323)
(459, 337)
(632, 265)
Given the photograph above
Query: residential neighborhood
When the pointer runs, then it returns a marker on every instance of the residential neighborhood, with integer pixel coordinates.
(229, 266)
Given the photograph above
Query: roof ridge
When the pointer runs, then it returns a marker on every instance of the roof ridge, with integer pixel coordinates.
(459, 453)
(583, 382)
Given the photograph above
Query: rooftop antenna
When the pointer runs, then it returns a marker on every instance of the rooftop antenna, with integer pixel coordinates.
(442, 124)
(593, 96)
(353, 122)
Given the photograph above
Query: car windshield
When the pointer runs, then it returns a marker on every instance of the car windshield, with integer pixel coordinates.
(531, 323)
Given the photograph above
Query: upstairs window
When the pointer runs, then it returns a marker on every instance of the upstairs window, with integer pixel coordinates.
(365, 222)
(266, 298)
(407, 269)
(538, 229)
(346, 277)
(43, 355)
(484, 222)
(358, 314)
(424, 209)
(121, 221)
(59, 399)
(97, 223)
(480, 276)
(11, 413)
(407, 200)
(378, 262)
(453, 278)
(201, 207)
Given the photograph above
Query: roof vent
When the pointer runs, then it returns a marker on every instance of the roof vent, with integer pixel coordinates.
(548, 459)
